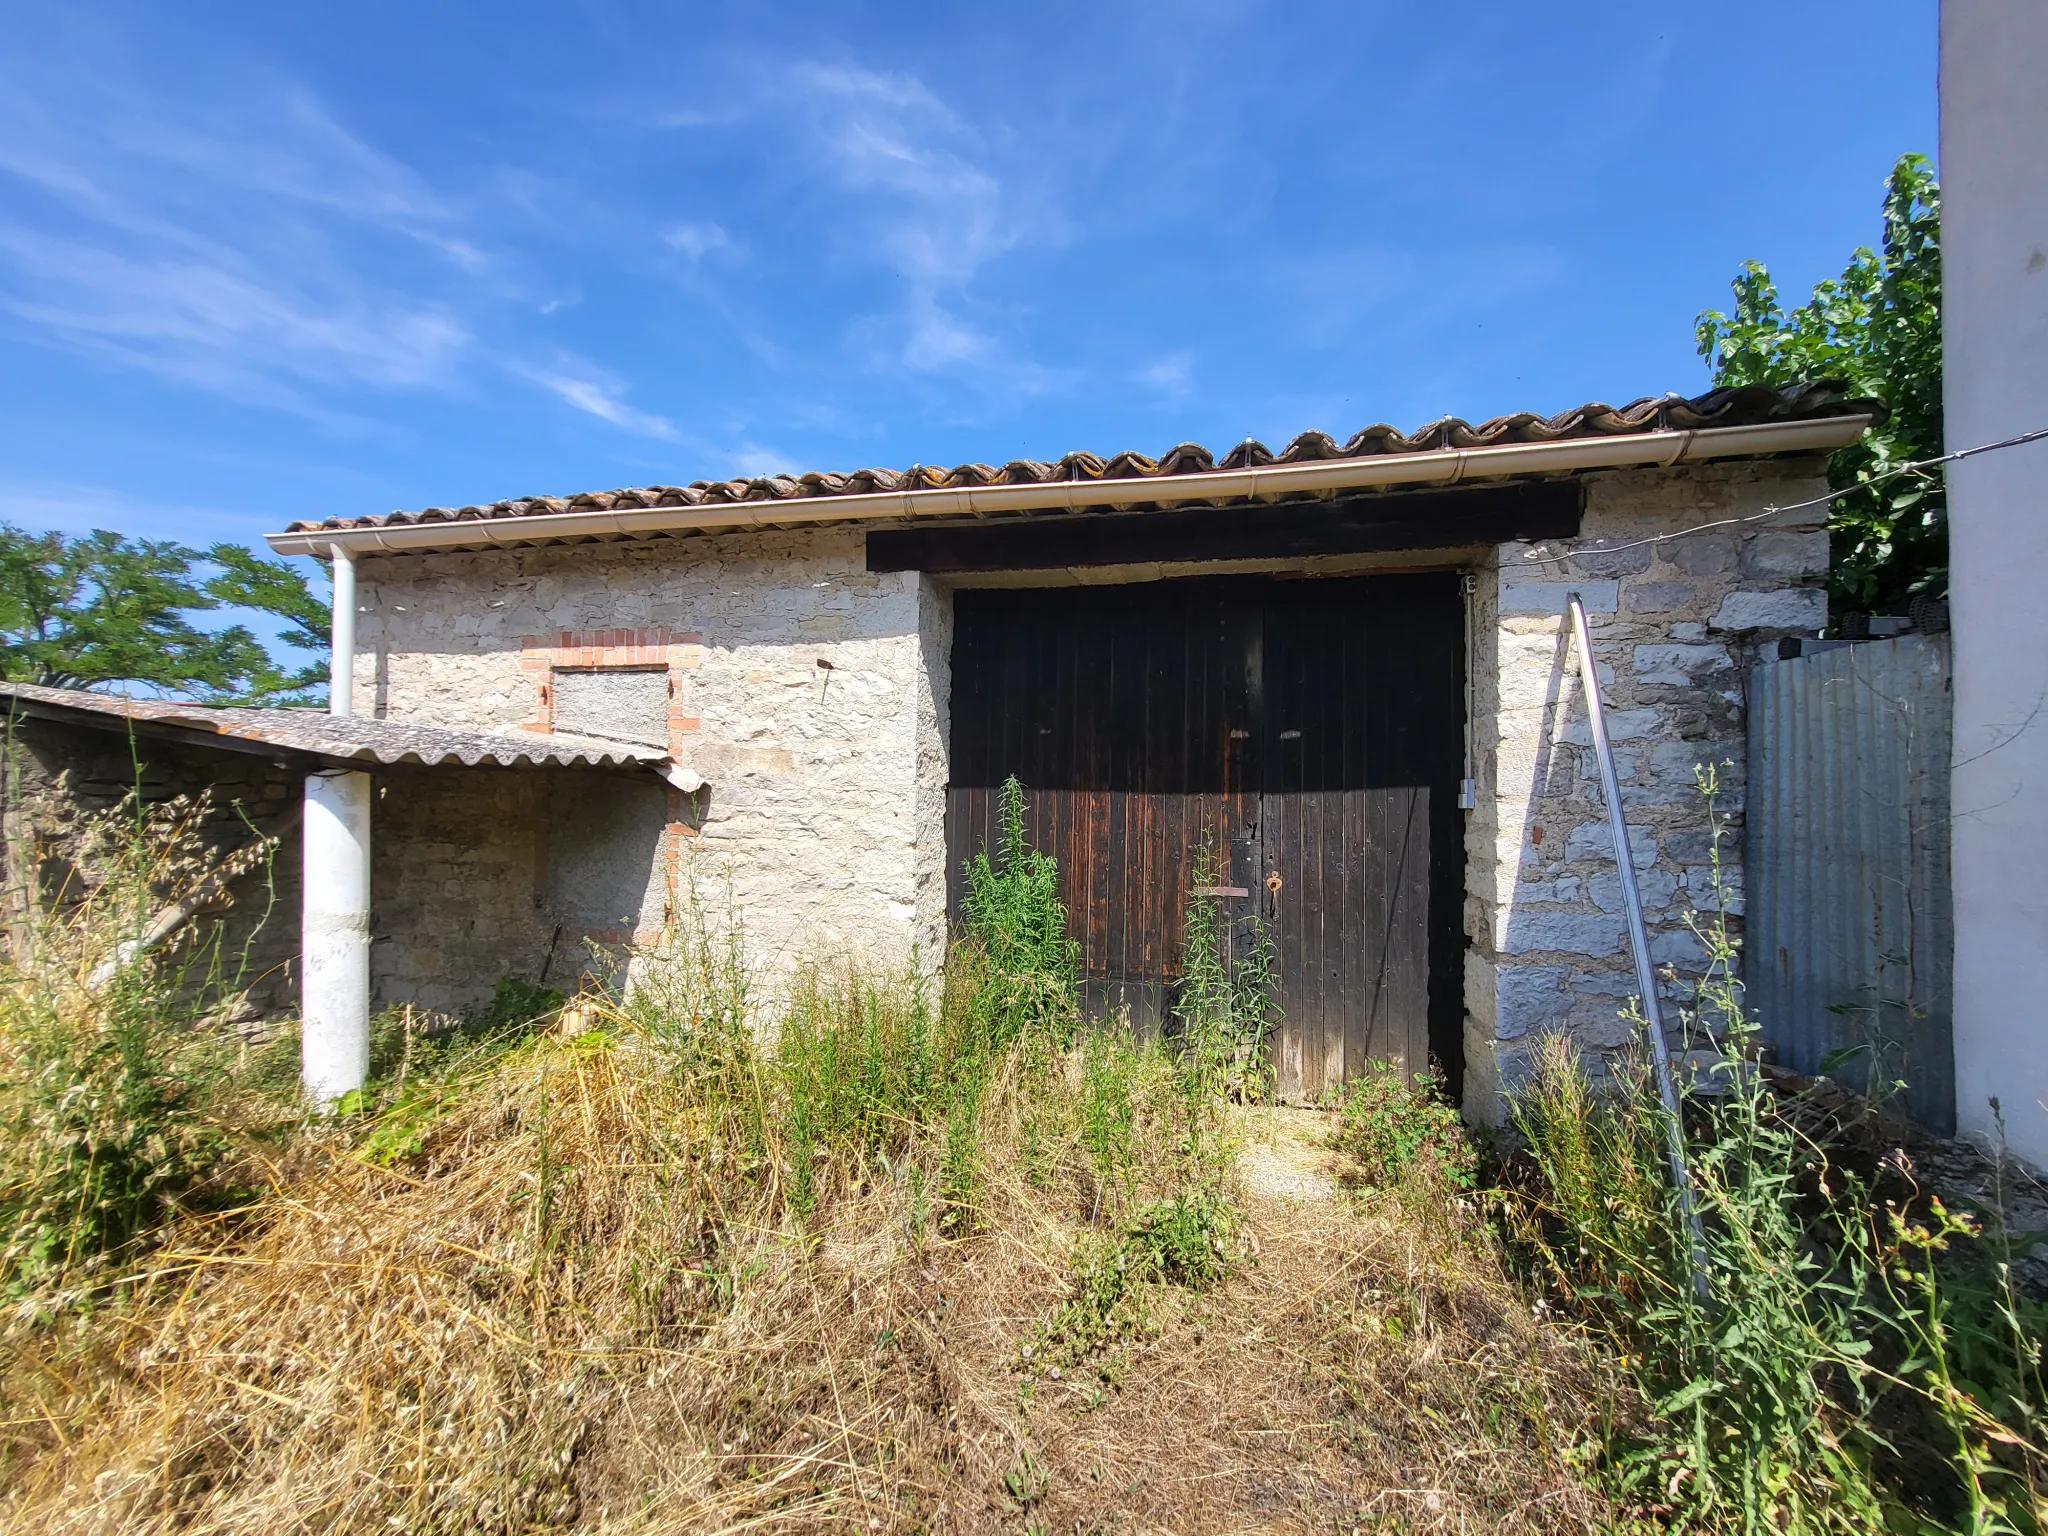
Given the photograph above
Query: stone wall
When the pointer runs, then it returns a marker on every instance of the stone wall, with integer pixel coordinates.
(482, 873)
(1674, 625)
(458, 857)
(476, 873)
(59, 775)
(808, 693)
(811, 695)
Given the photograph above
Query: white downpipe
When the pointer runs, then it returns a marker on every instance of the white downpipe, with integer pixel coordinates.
(341, 656)
(334, 983)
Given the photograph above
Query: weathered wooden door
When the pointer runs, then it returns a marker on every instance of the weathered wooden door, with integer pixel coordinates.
(1308, 732)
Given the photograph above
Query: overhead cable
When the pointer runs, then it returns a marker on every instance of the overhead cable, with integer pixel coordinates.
(1775, 510)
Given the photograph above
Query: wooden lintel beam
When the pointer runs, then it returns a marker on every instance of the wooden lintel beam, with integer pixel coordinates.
(1452, 518)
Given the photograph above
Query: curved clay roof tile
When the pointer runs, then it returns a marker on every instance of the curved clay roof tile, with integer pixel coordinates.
(1249, 454)
(1186, 459)
(1129, 466)
(1310, 445)
(1369, 442)
(1732, 406)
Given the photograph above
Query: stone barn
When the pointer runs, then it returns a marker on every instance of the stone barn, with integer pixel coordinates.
(1334, 684)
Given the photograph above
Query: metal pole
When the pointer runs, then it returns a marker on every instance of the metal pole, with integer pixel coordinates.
(341, 655)
(1639, 939)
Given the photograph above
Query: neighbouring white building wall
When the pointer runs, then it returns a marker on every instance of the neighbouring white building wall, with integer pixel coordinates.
(1994, 175)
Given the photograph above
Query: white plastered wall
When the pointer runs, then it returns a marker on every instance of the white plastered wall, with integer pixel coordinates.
(1994, 217)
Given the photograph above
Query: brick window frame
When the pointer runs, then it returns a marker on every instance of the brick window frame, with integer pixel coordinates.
(596, 650)
(638, 650)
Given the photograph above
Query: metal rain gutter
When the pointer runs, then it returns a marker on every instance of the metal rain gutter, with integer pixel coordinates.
(1448, 466)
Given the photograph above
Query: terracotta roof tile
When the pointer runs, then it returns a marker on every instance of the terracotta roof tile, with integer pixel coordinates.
(1748, 405)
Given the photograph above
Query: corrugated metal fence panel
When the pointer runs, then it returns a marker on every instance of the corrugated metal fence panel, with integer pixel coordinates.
(1849, 924)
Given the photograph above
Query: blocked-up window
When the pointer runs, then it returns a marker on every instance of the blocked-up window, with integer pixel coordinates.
(618, 704)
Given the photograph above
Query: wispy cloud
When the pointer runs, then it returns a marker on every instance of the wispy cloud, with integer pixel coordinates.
(923, 193)
(753, 459)
(598, 396)
(220, 323)
(1171, 375)
(698, 240)
(222, 250)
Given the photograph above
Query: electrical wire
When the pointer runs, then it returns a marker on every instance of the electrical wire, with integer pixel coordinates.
(1916, 467)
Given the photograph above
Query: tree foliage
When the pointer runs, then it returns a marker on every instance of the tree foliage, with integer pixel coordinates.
(77, 612)
(1878, 328)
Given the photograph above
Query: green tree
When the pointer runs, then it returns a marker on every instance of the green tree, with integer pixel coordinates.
(76, 612)
(1877, 327)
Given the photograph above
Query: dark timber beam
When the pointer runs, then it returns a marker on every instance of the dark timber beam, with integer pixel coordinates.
(1346, 525)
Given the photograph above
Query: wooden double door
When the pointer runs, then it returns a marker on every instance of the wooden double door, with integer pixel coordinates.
(1308, 731)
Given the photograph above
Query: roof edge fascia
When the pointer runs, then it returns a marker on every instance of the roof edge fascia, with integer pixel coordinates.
(1436, 467)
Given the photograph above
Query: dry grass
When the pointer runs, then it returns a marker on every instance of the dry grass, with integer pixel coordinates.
(587, 1305)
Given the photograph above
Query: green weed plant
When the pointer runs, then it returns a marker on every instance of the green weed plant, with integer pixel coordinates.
(1225, 1010)
(1014, 913)
(1818, 1386)
(1395, 1127)
(114, 1085)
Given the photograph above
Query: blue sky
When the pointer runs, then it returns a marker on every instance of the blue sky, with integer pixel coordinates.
(264, 262)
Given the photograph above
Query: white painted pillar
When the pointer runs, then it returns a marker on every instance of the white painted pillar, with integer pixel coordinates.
(334, 981)
(334, 934)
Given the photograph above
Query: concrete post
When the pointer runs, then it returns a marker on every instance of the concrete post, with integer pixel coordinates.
(335, 937)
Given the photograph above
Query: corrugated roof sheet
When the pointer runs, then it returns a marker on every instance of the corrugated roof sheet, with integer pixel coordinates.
(351, 737)
(1748, 405)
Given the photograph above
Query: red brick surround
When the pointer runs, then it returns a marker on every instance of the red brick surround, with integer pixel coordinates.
(639, 649)
(677, 652)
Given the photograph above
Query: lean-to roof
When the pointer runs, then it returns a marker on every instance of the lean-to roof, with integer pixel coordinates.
(310, 733)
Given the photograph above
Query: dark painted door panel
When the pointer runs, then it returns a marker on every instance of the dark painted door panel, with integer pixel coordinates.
(1309, 731)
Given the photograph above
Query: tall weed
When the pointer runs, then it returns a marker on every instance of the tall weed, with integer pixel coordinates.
(1225, 1010)
(1110, 1064)
(113, 1083)
(1790, 1397)
(1014, 912)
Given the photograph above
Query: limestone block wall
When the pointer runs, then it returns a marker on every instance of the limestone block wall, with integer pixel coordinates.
(457, 857)
(1674, 625)
(481, 873)
(808, 693)
(59, 775)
